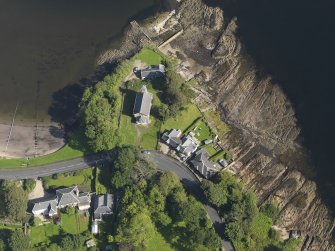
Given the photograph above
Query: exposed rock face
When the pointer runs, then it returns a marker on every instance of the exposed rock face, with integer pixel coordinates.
(263, 122)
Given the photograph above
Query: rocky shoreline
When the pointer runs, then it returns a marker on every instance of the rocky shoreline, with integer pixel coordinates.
(264, 126)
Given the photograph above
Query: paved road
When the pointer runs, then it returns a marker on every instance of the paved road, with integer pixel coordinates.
(163, 162)
(192, 184)
(48, 170)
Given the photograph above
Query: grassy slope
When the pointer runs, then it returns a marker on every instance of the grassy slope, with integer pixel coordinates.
(83, 178)
(183, 120)
(74, 223)
(148, 56)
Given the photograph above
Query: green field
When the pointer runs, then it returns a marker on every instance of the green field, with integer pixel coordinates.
(42, 234)
(148, 56)
(183, 120)
(82, 178)
(74, 223)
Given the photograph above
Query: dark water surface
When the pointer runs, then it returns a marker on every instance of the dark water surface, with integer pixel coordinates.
(294, 41)
(46, 45)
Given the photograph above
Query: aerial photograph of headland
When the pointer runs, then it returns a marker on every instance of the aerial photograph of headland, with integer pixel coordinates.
(167, 125)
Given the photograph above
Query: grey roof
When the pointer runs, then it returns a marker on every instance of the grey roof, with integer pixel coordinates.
(103, 204)
(84, 198)
(142, 103)
(50, 206)
(188, 145)
(172, 137)
(153, 71)
(67, 196)
(202, 164)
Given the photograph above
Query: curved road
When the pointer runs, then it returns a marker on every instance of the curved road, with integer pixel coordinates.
(192, 184)
(163, 162)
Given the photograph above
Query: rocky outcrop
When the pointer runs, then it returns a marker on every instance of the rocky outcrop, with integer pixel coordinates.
(264, 129)
(263, 122)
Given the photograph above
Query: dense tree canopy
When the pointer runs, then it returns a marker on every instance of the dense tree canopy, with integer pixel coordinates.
(102, 105)
(247, 226)
(15, 201)
(19, 241)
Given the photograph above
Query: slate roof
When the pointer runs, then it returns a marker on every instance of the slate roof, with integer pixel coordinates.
(67, 196)
(202, 163)
(103, 204)
(172, 138)
(50, 206)
(142, 103)
(153, 71)
(189, 144)
(84, 199)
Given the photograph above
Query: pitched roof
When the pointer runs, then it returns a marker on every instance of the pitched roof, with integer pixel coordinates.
(172, 137)
(103, 204)
(84, 198)
(189, 144)
(153, 70)
(201, 163)
(67, 196)
(143, 103)
(49, 205)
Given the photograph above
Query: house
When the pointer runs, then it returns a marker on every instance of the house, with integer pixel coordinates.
(189, 144)
(172, 138)
(142, 107)
(47, 208)
(153, 71)
(103, 205)
(202, 164)
(65, 197)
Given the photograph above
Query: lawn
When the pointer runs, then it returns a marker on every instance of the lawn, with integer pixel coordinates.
(148, 56)
(158, 242)
(74, 223)
(42, 234)
(82, 178)
(150, 135)
(201, 130)
(183, 120)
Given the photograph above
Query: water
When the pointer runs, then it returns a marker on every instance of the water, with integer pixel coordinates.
(294, 41)
(46, 45)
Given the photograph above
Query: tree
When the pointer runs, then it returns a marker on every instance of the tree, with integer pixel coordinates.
(214, 193)
(78, 241)
(2, 245)
(123, 166)
(136, 230)
(67, 243)
(19, 241)
(29, 185)
(167, 182)
(15, 202)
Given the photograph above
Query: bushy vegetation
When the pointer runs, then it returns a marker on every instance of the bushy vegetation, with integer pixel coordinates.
(248, 227)
(156, 203)
(15, 201)
(102, 107)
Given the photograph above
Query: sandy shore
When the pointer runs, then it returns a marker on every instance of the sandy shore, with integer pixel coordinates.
(30, 141)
